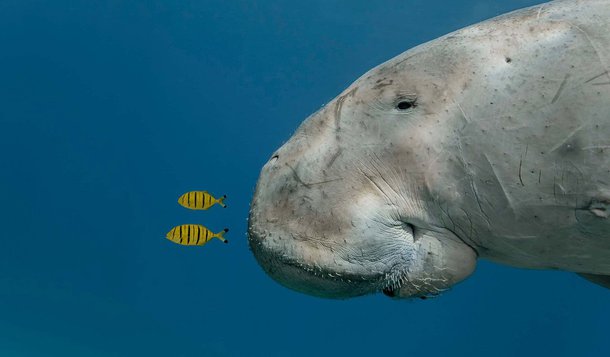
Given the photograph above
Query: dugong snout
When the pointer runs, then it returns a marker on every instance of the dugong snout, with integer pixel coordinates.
(290, 240)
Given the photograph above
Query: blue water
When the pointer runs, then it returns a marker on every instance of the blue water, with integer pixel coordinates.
(109, 110)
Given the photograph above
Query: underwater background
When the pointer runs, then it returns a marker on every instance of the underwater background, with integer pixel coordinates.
(110, 110)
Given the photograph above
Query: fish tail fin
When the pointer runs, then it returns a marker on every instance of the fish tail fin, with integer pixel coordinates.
(220, 235)
(221, 201)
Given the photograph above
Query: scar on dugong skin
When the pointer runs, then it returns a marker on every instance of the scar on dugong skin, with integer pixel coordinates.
(492, 142)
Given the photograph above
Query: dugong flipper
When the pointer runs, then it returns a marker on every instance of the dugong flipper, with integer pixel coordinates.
(490, 142)
(601, 280)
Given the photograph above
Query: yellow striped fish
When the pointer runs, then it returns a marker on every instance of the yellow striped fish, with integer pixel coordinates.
(194, 234)
(200, 200)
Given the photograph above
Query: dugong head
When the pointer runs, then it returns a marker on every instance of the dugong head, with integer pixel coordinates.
(356, 201)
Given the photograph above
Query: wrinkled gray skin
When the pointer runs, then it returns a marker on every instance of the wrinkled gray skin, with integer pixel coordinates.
(499, 150)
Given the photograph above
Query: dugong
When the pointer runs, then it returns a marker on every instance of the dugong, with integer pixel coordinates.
(491, 142)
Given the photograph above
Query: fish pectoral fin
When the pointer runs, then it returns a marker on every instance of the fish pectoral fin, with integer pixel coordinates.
(601, 280)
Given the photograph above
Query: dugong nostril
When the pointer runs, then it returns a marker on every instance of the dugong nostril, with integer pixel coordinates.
(273, 159)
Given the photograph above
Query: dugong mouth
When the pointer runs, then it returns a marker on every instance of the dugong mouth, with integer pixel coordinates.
(316, 281)
(310, 278)
(420, 264)
(309, 272)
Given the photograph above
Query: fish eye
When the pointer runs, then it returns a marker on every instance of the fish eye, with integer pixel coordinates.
(405, 104)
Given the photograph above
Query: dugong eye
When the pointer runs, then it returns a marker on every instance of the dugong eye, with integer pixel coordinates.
(405, 104)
